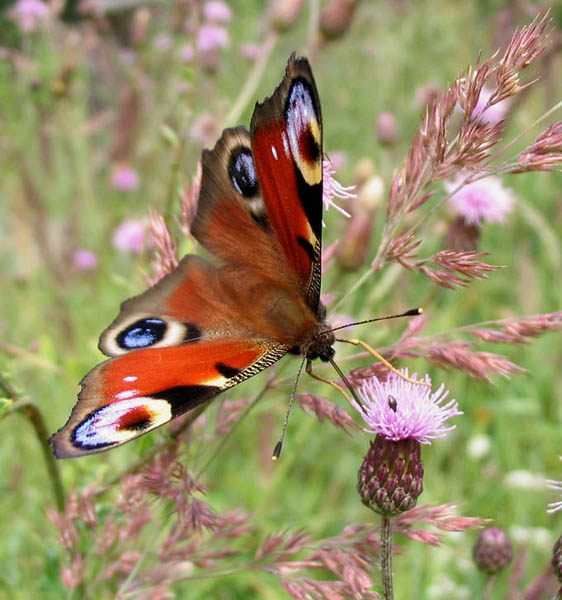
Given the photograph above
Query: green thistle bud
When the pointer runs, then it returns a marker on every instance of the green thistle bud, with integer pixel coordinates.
(492, 551)
(283, 14)
(336, 17)
(391, 476)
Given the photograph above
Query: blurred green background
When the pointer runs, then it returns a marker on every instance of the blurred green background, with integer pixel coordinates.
(82, 98)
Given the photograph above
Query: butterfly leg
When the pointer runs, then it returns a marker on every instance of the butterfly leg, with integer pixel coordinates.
(382, 359)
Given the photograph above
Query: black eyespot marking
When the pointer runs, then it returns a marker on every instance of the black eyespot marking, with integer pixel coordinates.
(307, 247)
(141, 334)
(192, 333)
(242, 172)
(227, 371)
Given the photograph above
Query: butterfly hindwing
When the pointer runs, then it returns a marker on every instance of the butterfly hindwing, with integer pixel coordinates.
(286, 138)
(176, 346)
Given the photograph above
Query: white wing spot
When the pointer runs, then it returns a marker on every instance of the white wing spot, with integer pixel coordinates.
(285, 143)
(126, 394)
(274, 152)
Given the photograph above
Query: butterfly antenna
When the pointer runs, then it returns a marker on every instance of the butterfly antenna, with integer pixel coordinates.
(414, 312)
(279, 446)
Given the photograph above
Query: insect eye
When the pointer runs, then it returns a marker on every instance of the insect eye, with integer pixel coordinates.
(242, 172)
(141, 334)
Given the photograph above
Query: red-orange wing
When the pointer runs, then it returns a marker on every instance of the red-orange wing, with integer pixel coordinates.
(129, 395)
(286, 139)
(175, 347)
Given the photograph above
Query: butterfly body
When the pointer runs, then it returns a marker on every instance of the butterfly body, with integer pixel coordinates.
(208, 326)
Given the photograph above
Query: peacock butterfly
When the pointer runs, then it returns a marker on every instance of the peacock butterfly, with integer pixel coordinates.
(206, 327)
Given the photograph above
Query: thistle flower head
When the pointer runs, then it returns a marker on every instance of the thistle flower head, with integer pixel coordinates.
(554, 507)
(482, 200)
(217, 11)
(124, 178)
(333, 189)
(211, 37)
(390, 478)
(130, 236)
(29, 14)
(487, 110)
(84, 260)
(492, 551)
(397, 409)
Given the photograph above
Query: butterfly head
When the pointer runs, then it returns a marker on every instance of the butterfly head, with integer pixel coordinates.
(320, 345)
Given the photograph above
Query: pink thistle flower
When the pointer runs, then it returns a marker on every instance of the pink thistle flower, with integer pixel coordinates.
(554, 507)
(130, 236)
(333, 189)
(398, 410)
(29, 14)
(489, 113)
(250, 50)
(338, 158)
(210, 37)
(216, 11)
(386, 128)
(186, 53)
(482, 200)
(84, 260)
(124, 178)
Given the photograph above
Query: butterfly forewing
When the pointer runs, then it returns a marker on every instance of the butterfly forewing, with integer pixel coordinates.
(286, 133)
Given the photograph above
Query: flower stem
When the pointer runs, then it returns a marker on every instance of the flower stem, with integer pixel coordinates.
(386, 557)
(249, 89)
(33, 413)
(487, 593)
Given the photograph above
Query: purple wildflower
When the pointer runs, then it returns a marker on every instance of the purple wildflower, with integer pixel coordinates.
(482, 200)
(489, 113)
(338, 158)
(210, 37)
(333, 189)
(29, 14)
(186, 53)
(124, 178)
(554, 507)
(250, 50)
(216, 11)
(130, 236)
(84, 260)
(397, 409)
(386, 128)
